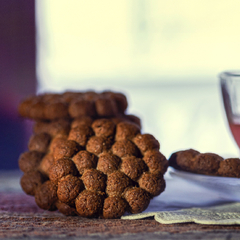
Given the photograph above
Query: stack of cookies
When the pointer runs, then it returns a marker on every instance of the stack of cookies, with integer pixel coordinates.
(87, 157)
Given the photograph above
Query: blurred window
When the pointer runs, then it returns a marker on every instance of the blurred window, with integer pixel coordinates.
(136, 40)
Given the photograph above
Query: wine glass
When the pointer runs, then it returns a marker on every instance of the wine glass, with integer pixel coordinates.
(230, 86)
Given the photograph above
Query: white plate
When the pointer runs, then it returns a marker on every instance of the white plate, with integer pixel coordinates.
(224, 185)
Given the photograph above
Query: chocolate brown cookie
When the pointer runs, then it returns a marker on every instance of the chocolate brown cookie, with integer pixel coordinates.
(52, 106)
(100, 170)
(205, 163)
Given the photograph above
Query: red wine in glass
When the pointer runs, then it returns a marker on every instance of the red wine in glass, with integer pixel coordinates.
(230, 86)
(235, 129)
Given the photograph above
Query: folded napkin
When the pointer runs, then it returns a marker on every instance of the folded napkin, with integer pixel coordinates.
(226, 214)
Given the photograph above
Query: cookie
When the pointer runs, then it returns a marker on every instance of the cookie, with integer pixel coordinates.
(52, 106)
(205, 163)
(94, 168)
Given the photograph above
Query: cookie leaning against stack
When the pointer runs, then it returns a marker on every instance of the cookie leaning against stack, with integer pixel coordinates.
(91, 166)
(193, 161)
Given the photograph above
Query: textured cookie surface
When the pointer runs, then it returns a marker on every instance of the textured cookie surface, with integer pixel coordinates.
(52, 106)
(93, 168)
(205, 163)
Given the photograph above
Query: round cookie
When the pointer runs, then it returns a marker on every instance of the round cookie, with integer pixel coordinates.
(92, 168)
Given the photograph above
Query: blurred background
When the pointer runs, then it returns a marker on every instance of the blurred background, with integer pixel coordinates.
(164, 55)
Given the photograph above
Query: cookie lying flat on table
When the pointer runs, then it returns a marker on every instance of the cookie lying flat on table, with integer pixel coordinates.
(205, 163)
(93, 168)
(52, 106)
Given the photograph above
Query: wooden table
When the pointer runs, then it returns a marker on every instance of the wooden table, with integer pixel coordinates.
(20, 218)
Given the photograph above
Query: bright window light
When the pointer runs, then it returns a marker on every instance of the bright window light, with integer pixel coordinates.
(136, 40)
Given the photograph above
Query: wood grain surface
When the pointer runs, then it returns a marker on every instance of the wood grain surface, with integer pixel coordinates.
(20, 218)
